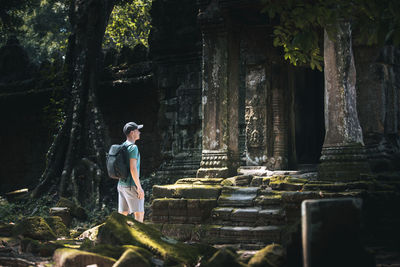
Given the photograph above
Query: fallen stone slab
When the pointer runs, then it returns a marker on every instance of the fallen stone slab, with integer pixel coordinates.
(122, 230)
(67, 257)
(134, 256)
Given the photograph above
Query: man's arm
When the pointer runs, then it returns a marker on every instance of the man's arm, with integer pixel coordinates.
(135, 176)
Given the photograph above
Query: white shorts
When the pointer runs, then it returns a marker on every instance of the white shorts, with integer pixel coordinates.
(128, 200)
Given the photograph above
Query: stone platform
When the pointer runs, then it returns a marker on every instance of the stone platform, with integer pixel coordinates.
(249, 211)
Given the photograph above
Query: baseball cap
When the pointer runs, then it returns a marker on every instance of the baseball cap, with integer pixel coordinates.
(130, 126)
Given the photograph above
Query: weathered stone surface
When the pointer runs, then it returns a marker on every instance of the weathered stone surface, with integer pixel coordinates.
(66, 257)
(343, 155)
(63, 212)
(122, 230)
(200, 181)
(224, 257)
(57, 225)
(186, 191)
(35, 228)
(237, 196)
(182, 210)
(240, 180)
(331, 233)
(271, 256)
(76, 211)
(134, 256)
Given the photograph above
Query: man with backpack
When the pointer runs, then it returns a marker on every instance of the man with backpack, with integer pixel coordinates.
(130, 192)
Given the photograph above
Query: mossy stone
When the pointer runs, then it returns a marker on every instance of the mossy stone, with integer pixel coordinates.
(76, 210)
(35, 228)
(134, 256)
(57, 225)
(74, 257)
(123, 230)
(224, 257)
(103, 249)
(271, 256)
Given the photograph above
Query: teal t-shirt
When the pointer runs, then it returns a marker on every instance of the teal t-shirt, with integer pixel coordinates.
(133, 153)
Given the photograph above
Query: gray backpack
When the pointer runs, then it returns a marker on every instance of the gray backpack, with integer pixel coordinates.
(117, 164)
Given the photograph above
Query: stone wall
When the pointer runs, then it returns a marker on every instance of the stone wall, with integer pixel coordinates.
(175, 49)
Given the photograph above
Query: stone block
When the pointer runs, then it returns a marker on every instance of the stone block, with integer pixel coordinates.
(331, 233)
(177, 207)
(200, 181)
(160, 207)
(66, 257)
(186, 191)
(63, 212)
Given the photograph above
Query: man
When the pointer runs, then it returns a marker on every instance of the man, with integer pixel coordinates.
(130, 192)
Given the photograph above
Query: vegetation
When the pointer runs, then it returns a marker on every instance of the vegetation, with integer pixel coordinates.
(42, 26)
(299, 25)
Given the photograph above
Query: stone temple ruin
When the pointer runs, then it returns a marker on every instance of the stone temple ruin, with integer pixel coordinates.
(244, 136)
(258, 136)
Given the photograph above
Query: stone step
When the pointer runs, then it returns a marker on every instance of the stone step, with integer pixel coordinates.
(268, 201)
(250, 216)
(191, 191)
(244, 234)
(235, 196)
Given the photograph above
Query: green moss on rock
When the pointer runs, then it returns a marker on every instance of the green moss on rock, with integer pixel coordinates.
(58, 227)
(271, 256)
(34, 227)
(134, 256)
(224, 257)
(122, 230)
(74, 257)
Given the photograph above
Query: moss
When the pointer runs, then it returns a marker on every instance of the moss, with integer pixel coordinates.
(44, 249)
(271, 256)
(71, 257)
(223, 257)
(122, 230)
(200, 181)
(134, 256)
(57, 226)
(186, 191)
(35, 228)
(228, 182)
(104, 249)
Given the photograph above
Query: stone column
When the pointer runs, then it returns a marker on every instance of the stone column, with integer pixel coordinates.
(343, 155)
(220, 90)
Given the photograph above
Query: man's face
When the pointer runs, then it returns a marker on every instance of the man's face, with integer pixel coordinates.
(136, 134)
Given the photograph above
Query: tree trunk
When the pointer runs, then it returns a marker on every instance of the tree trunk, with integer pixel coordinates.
(77, 156)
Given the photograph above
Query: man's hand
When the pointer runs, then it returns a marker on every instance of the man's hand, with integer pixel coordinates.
(140, 193)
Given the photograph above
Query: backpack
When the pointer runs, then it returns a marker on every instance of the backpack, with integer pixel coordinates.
(117, 165)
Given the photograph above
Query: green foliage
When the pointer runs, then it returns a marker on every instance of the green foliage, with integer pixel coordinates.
(18, 209)
(129, 24)
(299, 25)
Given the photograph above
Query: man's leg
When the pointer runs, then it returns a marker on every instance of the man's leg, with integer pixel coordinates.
(139, 216)
(124, 213)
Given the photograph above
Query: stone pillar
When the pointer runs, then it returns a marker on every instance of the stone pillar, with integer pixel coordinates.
(378, 98)
(220, 90)
(343, 156)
